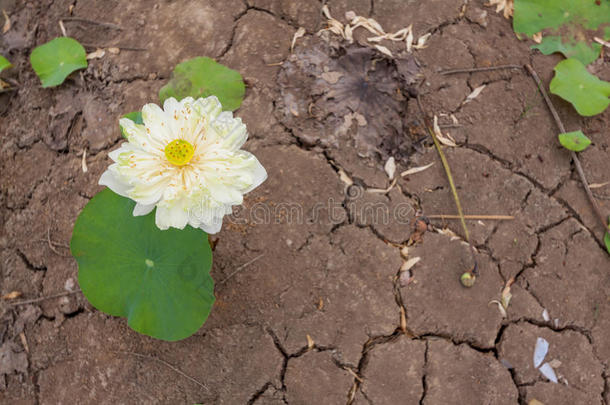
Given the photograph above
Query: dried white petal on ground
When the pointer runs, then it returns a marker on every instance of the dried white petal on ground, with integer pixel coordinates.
(548, 372)
(390, 167)
(506, 5)
(439, 135)
(300, 32)
(407, 265)
(414, 170)
(475, 93)
(540, 351)
(384, 50)
(545, 315)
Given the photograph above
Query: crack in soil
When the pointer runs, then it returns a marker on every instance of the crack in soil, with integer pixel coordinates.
(424, 378)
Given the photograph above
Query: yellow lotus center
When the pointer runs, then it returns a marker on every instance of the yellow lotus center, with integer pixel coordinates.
(179, 152)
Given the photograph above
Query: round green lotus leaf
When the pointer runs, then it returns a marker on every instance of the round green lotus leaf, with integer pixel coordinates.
(203, 77)
(56, 59)
(159, 280)
(572, 82)
(576, 141)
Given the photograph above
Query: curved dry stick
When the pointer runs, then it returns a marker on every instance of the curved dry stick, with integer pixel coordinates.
(579, 169)
(166, 364)
(479, 69)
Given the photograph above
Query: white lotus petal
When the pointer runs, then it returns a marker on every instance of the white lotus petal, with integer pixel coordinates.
(540, 351)
(109, 180)
(173, 216)
(141, 209)
(548, 372)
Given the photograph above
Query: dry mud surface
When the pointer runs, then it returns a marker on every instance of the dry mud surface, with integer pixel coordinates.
(327, 271)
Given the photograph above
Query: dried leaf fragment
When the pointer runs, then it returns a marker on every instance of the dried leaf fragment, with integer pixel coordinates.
(300, 32)
(414, 170)
(506, 295)
(439, 135)
(506, 5)
(407, 265)
(537, 37)
(475, 93)
(331, 77)
(97, 54)
(310, 342)
(384, 50)
(421, 41)
(345, 178)
(500, 307)
(12, 295)
(7, 22)
(390, 167)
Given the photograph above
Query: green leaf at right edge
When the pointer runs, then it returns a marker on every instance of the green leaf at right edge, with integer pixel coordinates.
(572, 82)
(4, 63)
(202, 77)
(159, 280)
(135, 116)
(56, 59)
(607, 241)
(576, 141)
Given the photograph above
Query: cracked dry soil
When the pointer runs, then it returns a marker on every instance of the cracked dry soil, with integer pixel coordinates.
(333, 278)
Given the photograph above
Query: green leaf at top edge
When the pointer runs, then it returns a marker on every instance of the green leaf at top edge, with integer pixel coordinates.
(572, 82)
(203, 77)
(55, 60)
(135, 116)
(4, 63)
(159, 280)
(576, 141)
(532, 16)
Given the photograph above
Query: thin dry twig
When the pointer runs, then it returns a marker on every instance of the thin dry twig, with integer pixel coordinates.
(497, 217)
(53, 247)
(475, 269)
(50, 297)
(240, 268)
(62, 28)
(166, 364)
(122, 48)
(100, 23)
(573, 155)
(479, 69)
(8, 90)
